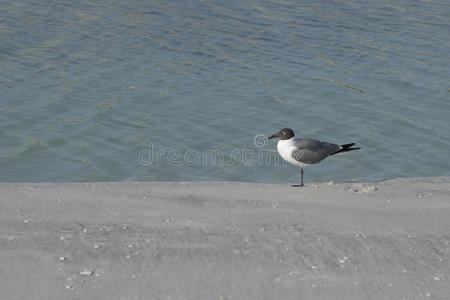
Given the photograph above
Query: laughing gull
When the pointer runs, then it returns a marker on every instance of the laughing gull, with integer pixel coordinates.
(303, 152)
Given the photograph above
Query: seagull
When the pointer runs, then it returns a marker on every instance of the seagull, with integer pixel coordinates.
(304, 152)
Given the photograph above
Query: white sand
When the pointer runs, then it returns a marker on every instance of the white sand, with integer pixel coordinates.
(388, 240)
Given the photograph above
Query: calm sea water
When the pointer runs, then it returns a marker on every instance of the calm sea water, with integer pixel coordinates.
(95, 90)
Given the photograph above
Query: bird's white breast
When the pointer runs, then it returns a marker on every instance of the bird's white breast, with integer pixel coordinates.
(285, 148)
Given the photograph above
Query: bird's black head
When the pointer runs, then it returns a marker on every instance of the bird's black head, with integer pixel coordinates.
(283, 134)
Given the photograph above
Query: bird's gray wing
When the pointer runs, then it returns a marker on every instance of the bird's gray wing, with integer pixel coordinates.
(312, 151)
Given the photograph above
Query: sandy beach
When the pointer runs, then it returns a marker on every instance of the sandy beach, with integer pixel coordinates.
(223, 240)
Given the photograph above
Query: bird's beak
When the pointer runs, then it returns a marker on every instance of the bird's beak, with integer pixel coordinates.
(273, 136)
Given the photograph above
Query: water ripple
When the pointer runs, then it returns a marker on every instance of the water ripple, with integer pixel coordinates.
(87, 85)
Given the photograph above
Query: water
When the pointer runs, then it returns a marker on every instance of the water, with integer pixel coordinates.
(87, 86)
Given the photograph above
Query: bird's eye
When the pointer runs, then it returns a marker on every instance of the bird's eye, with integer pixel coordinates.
(283, 133)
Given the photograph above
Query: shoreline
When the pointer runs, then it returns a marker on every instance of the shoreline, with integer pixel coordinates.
(307, 183)
(225, 240)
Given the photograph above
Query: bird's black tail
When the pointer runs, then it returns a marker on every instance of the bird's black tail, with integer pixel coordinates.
(345, 148)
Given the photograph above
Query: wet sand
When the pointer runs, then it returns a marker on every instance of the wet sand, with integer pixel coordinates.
(222, 240)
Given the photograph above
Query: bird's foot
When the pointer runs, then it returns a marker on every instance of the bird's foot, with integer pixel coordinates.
(297, 185)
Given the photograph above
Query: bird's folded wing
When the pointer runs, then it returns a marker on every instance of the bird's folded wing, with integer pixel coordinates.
(312, 151)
